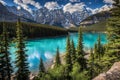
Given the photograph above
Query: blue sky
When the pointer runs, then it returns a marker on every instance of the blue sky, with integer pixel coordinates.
(67, 5)
(89, 3)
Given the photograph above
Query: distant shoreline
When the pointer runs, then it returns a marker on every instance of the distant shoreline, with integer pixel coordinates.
(29, 39)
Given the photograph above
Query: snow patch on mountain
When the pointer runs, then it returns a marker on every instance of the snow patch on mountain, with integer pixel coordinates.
(109, 1)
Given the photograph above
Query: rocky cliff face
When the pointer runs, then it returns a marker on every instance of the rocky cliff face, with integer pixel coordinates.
(6, 15)
(20, 12)
(102, 16)
(59, 17)
(112, 74)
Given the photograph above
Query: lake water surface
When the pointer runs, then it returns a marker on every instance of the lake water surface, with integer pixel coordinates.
(46, 47)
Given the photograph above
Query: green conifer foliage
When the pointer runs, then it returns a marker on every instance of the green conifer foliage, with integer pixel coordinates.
(41, 66)
(2, 60)
(91, 65)
(57, 59)
(80, 53)
(5, 43)
(99, 49)
(73, 52)
(5, 55)
(113, 33)
(21, 56)
(68, 67)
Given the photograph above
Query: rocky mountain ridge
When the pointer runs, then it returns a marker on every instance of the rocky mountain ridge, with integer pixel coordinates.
(56, 17)
(6, 15)
(99, 17)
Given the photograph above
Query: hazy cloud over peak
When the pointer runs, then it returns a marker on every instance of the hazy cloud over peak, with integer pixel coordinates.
(51, 5)
(25, 4)
(73, 7)
(3, 2)
(75, 0)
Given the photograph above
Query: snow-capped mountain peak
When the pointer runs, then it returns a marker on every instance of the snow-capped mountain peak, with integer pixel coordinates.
(69, 15)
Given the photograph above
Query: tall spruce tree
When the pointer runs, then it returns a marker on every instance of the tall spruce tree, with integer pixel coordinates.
(57, 58)
(6, 68)
(42, 73)
(5, 42)
(73, 52)
(99, 47)
(80, 53)
(2, 60)
(68, 61)
(95, 51)
(91, 65)
(41, 66)
(113, 33)
(99, 51)
(21, 59)
(114, 30)
(98, 55)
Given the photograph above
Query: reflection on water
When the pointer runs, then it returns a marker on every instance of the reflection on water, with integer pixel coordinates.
(46, 47)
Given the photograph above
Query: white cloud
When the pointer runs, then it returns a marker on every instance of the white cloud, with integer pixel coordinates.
(32, 2)
(75, 0)
(25, 4)
(108, 1)
(51, 5)
(73, 7)
(3, 2)
(103, 8)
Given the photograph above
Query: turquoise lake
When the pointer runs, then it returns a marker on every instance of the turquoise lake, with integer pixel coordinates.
(46, 47)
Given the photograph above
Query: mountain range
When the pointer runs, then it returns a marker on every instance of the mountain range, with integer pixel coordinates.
(43, 15)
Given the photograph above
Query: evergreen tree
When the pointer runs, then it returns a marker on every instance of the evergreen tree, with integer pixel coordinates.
(57, 58)
(98, 56)
(21, 59)
(5, 43)
(2, 60)
(80, 53)
(68, 67)
(73, 52)
(5, 59)
(41, 66)
(95, 51)
(91, 65)
(99, 48)
(42, 74)
(113, 33)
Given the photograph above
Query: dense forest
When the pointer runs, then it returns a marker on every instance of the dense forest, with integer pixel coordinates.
(76, 66)
(32, 30)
